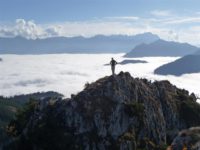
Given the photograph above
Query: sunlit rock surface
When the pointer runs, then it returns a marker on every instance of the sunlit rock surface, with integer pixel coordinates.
(115, 112)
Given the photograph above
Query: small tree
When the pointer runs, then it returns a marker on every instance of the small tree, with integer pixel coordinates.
(16, 126)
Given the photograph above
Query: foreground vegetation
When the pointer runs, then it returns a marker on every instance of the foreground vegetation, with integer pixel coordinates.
(12, 107)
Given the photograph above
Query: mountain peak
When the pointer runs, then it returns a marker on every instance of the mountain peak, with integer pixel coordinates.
(115, 112)
(95, 44)
(176, 67)
(148, 34)
(162, 48)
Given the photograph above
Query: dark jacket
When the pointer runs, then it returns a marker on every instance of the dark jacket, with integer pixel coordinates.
(113, 62)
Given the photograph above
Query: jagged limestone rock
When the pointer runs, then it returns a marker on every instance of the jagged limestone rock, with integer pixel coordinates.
(189, 139)
(115, 112)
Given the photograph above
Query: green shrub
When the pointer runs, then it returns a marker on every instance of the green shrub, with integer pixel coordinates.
(22, 116)
(190, 112)
(134, 109)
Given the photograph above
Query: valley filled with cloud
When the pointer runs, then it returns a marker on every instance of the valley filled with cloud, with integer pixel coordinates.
(68, 73)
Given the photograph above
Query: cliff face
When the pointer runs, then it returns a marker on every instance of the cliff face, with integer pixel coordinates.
(117, 112)
(189, 139)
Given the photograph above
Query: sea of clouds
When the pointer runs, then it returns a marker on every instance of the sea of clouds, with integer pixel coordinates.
(68, 73)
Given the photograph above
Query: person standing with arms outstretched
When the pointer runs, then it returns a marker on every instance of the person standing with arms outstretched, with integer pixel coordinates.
(113, 64)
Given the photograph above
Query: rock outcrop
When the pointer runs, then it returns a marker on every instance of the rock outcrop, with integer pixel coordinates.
(189, 139)
(115, 112)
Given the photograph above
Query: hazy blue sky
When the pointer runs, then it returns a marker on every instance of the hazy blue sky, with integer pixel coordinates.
(44, 11)
(177, 20)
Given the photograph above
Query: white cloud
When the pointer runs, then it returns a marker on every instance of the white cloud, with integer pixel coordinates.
(4, 32)
(38, 82)
(183, 27)
(93, 28)
(59, 72)
(183, 20)
(27, 29)
(128, 18)
(128, 25)
(161, 13)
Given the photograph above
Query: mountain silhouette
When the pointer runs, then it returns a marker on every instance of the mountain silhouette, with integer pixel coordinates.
(162, 48)
(96, 44)
(185, 65)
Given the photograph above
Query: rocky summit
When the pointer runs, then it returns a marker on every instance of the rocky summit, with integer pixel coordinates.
(115, 112)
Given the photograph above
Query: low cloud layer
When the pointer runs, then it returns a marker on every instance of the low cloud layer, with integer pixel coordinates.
(61, 73)
(37, 82)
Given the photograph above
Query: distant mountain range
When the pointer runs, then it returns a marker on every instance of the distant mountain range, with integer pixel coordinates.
(162, 48)
(96, 44)
(184, 65)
